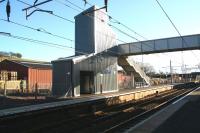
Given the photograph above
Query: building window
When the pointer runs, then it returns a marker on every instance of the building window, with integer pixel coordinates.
(4, 75)
(13, 75)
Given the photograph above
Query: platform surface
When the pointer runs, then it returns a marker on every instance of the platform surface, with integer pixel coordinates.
(182, 116)
(185, 120)
(75, 100)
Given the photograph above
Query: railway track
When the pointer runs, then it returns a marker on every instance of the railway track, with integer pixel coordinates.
(128, 117)
(111, 119)
(125, 125)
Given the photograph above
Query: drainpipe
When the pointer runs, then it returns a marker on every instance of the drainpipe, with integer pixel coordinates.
(72, 81)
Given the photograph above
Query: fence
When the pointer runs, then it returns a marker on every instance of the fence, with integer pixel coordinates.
(21, 86)
(42, 88)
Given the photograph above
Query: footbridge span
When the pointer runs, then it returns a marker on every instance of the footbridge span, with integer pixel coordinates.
(189, 42)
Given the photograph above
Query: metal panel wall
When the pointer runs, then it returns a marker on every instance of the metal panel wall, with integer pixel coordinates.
(191, 41)
(43, 78)
(92, 32)
(84, 33)
(161, 44)
(104, 68)
(175, 43)
(62, 78)
(147, 46)
(107, 79)
(105, 38)
(136, 47)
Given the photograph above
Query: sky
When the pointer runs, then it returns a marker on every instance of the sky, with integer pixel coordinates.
(143, 16)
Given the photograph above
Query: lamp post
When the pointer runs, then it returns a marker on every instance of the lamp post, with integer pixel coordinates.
(70, 82)
(171, 71)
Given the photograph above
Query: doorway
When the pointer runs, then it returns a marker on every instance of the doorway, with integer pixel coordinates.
(87, 82)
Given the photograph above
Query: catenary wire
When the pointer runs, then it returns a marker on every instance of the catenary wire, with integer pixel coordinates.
(113, 25)
(47, 12)
(61, 16)
(174, 26)
(120, 23)
(45, 43)
(127, 27)
(37, 29)
(103, 12)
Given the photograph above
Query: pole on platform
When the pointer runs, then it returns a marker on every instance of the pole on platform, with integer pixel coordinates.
(36, 90)
(171, 72)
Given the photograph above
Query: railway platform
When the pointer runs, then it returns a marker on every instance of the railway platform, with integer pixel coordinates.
(182, 116)
(121, 96)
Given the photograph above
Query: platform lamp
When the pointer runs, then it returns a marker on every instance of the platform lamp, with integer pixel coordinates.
(68, 74)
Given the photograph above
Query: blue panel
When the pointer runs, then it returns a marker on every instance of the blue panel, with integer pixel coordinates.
(175, 43)
(190, 41)
(148, 46)
(136, 47)
(161, 44)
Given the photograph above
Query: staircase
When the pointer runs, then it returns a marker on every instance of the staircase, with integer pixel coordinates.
(130, 66)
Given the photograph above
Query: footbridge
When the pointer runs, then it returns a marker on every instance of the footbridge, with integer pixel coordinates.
(190, 42)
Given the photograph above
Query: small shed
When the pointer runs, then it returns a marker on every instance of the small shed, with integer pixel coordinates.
(33, 72)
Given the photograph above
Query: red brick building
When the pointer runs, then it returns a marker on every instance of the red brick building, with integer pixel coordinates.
(125, 81)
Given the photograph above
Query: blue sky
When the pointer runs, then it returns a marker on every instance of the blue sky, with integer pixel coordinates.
(144, 16)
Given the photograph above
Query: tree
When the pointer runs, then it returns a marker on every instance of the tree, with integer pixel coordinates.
(19, 55)
(147, 68)
(2, 53)
(10, 54)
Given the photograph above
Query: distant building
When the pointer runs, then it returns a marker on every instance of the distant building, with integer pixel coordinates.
(32, 72)
(125, 80)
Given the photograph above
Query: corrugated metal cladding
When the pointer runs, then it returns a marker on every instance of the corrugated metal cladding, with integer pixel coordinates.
(62, 77)
(92, 32)
(105, 73)
(84, 34)
(42, 74)
(43, 78)
(105, 38)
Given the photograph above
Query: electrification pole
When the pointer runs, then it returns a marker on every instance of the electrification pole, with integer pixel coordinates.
(171, 71)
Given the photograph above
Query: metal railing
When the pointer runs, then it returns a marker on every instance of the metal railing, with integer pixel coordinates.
(124, 62)
(139, 70)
